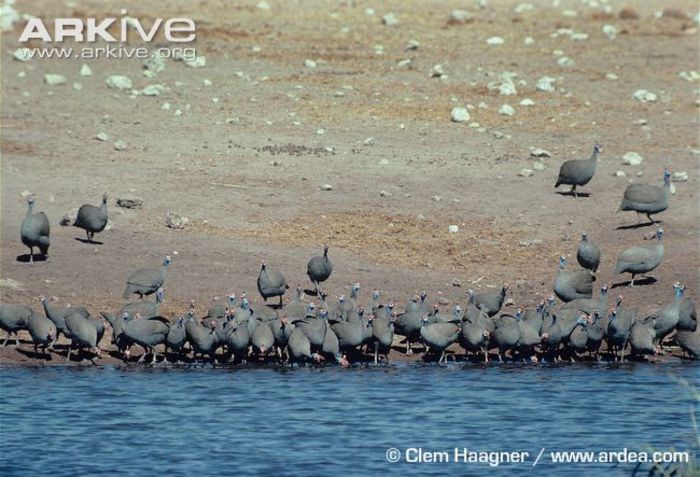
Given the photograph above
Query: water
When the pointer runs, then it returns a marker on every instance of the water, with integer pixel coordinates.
(67, 421)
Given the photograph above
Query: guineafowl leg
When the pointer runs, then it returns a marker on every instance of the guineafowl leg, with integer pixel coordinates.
(155, 356)
(70, 348)
(143, 356)
(573, 191)
(376, 353)
(281, 304)
(16, 339)
(632, 281)
(31, 254)
(486, 356)
(408, 346)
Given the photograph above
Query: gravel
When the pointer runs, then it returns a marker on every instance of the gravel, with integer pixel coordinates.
(119, 82)
(460, 115)
(85, 70)
(54, 79)
(644, 96)
(175, 221)
(389, 19)
(119, 145)
(130, 202)
(506, 110)
(632, 159)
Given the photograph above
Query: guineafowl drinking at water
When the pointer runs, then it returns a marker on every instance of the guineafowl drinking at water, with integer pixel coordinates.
(35, 231)
(588, 254)
(579, 172)
(641, 259)
(271, 284)
(92, 219)
(647, 199)
(572, 284)
(146, 281)
(319, 268)
(42, 330)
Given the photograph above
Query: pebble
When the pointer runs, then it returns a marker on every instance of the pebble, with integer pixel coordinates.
(326, 187)
(26, 193)
(619, 174)
(460, 115)
(199, 62)
(21, 54)
(689, 75)
(498, 134)
(610, 31)
(628, 13)
(155, 63)
(611, 76)
(384, 162)
(175, 221)
(310, 63)
(130, 202)
(545, 83)
(506, 110)
(524, 7)
(153, 90)
(69, 217)
(527, 102)
(10, 283)
(368, 142)
(453, 229)
(539, 166)
(632, 159)
(54, 79)
(119, 82)
(389, 19)
(538, 152)
(119, 145)
(460, 16)
(263, 5)
(437, 71)
(102, 136)
(680, 176)
(385, 194)
(644, 96)
(412, 45)
(77, 86)
(85, 70)
(530, 243)
(566, 62)
(495, 40)
(436, 198)
(526, 173)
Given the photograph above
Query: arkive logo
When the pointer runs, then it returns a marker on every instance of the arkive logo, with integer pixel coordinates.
(176, 30)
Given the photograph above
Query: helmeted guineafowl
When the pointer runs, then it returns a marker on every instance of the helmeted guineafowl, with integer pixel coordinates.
(35, 230)
(579, 172)
(92, 219)
(146, 281)
(641, 259)
(147, 333)
(619, 327)
(83, 333)
(665, 320)
(572, 284)
(491, 301)
(271, 284)
(319, 269)
(588, 254)
(13, 318)
(438, 336)
(58, 314)
(647, 199)
(42, 330)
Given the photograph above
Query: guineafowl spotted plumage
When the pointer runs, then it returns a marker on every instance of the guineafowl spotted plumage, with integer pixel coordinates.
(579, 172)
(572, 284)
(647, 199)
(588, 254)
(319, 268)
(35, 231)
(641, 259)
(146, 281)
(271, 284)
(92, 219)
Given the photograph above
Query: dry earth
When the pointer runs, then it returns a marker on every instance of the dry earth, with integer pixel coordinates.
(245, 161)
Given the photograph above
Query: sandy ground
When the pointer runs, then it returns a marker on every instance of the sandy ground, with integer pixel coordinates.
(245, 161)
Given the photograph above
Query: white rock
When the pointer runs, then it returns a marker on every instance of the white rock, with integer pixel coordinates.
(369, 12)
(610, 31)
(85, 70)
(175, 221)
(460, 16)
(436, 198)
(672, 188)
(263, 5)
(569, 13)
(102, 136)
(619, 174)
(545, 83)
(155, 63)
(22, 54)
(495, 40)
(207, 82)
(26, 193)
(404, 63)
(460, 115)
(165, 107)
(506, 110)
(611, 76)
(119, 145)
(384, 162)
(453, 229)
(566, 62)
(498, 134)
(632, 159)
(320, 131)
(385, 193)
(527, 102)
(539, 166)
(69, 217)
(8, 16)
(326, 187)
(153, 90)
(538, 152)
(119, 82)
(644, 96)
(77, 86)
(526, 173)
(681, 176)
(54, 79)
(437, 71)
(390, 19)
(412, 45)
(310, 63)
(524, 7)
(579, 36)
(689, 75)
(368, 142)
(199, 62)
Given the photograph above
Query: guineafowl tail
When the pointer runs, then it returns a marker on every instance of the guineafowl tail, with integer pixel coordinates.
(557, 184)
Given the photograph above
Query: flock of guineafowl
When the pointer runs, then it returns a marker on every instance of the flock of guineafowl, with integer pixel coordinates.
(346, 331)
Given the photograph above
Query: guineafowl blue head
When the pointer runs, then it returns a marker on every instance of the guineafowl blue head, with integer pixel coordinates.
(659, 234)
(604, 289)
(678, 290)
(355, 288)
(424, 319)
(324, 314)
(457, 310)
(613, 314)
(667, 177)
(375, 295)
(518, 314)
(598, 148)
(582, 320)
(584, 237)
(160, 295)
(245, 303)
(390, 306)
(232, 299)
(341, 298)
(167, 261)
(562, 262)
(310, 308)
(423, 296)
(550, 300)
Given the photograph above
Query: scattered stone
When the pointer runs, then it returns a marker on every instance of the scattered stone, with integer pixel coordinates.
(77, 86)
(384, 162)
(456, 282)
(326, 187)
(199, 62)
(102, 136)
(610, 31)
(628, 13)
(680, 176)
(165, 106)
(530, 243)
(404, 63)
(495, 40)
(453, 229)
(459, 17)
(566, 62)
(155, 63)
(310, 63)
(689, 75)
(119, 82)
(175, 221)
(611, 76)
(460, 115)
(527, 102)
(569, 13)
(498, 134)
(436, 198)
(8, 16)
(320, 131)
(506, 110)
(385, 194)
(54, 79)
(153, 90)
(538, 152)
(412, 45)
(526, 172)
(644, 96)
(546, 83)
(674, 13)
(524, 7)
(69, 217)
(539, 166)
(130, 202)
(632, 159)
(263, 5)
(389, 19)
(85, 70)
(25, 193)
(437, 71)
(22, 54)
(619, 174)
(369, 142)
(641, 122)
(579, 36)
(119, 145)
(673, 188)
(10, 283)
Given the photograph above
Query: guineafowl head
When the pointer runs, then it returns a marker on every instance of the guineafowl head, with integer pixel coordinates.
(355, 288)
(604, 289)
(423, 296)
(584, 237)
(390, 306)
(375, 295)
(504, 289)
(457, 310)
(678, 290)
(595, 316)
(424, 319)
(262, 265)
(325, 250)
(598, 148)
(42, 299)
(160, 295)
(582, 320)
(618, 304)
(518, 314)
(104, 198)
(324, 314)
(30, 204)
(212, 326)
(659, 234)
(232, 299)
(667, 177)
(310, 308)
(167, 260)
(341, 298)
(471, 296)
(550, 300)
(562, 262)
(613, 314)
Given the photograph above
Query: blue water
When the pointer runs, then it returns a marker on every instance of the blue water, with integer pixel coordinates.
(68, 421)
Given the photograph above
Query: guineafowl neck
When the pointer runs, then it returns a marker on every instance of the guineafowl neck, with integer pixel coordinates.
(30, 208)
